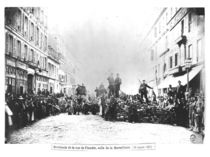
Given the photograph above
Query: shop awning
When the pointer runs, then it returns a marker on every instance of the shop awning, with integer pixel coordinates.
(183, 78)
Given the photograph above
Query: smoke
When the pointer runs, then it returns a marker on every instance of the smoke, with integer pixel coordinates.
(106, 43)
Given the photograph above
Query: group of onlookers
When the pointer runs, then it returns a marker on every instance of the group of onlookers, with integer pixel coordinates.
(25, 109)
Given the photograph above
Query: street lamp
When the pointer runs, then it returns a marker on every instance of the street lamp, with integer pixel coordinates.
(188, 63)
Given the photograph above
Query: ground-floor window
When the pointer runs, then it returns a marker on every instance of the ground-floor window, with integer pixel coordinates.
(10, 82)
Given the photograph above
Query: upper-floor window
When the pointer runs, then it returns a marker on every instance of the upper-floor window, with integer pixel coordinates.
(166, 42)
(189, 51)
(189, 22)
(182, 27)
(45, 43)
(18, 48)
(9, 44)
(41, 40)
(32, 32)
(152, 55)
(26, 26)
(176, 59)
(37, 36)
(18, 20)
(171, 62)
(25, 51)
(164, 67)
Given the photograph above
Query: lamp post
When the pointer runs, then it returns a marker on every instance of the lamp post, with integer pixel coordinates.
(188, 63)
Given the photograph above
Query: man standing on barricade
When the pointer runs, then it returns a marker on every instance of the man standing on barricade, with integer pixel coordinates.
(117, 85)
(143, 90)
(111, 85)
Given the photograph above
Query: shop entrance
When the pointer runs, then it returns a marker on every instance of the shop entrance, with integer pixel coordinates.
(30, 83)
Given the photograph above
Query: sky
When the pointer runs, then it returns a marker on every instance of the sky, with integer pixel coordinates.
(101, 39)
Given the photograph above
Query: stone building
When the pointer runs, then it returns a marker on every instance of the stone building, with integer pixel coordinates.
(25, 49)
(176, 47)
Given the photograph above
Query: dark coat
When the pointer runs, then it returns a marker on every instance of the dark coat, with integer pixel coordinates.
(180, 91)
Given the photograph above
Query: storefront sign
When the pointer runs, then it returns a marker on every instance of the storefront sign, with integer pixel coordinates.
(178, 17)
(10, 62)
(21, 65)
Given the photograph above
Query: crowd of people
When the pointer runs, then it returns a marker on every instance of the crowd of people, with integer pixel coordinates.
(176, 107)
(23, 110)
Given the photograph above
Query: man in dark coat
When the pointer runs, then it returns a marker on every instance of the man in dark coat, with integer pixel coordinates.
(83, 90)
(117, 85)
(180, 91)
(170, 91)
(143, 90)
(111, 85)
(78, 90)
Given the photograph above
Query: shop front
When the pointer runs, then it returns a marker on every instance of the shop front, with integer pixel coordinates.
(10, 76)
(196, 82)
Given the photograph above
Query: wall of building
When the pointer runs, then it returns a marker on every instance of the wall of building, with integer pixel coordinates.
(177, 34)
(26, 47)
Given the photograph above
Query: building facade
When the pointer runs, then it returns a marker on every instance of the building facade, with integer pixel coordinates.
(53, 67)
(25, 49)
(177, 48)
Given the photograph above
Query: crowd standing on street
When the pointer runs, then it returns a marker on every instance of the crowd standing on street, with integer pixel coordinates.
(26, 109)
(175, 107)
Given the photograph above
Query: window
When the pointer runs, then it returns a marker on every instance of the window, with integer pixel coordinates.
(45, 43)
(41, 41)
(152, 55)
(26, 26)
(25, 51)
(18, 49)
(199, 50)
(18, 20)
(166, 42)
(176, 59)
(171, 62)
(189, 21)
(45, 63)
(164, 67)
(182, 27)
(32, 32)
(37, 36)
(32, 55)
(189, 51)
(35, 58)
(10, 45)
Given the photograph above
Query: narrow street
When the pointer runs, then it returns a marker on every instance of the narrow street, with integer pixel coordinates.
(92, 129)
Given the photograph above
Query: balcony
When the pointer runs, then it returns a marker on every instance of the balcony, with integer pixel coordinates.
(181, 40)
(32, 64)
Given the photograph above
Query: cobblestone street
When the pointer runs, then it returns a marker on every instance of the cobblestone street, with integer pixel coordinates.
(92, 129)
